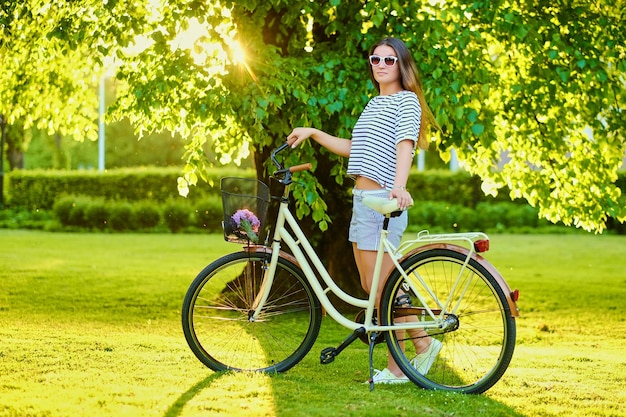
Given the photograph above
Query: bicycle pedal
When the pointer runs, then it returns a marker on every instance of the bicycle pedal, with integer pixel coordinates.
(328, 355)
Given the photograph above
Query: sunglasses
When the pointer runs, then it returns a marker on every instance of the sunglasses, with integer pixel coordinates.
(389, 61)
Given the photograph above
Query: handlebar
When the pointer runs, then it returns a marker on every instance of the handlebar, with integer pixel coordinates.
(303, 167)
(276, 152)
(284, 174)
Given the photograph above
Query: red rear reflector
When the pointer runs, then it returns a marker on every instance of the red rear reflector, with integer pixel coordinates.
(515, 295)
(481, 246)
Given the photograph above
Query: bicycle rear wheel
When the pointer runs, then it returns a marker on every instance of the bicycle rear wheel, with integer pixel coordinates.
(478, 337)
(218, 306)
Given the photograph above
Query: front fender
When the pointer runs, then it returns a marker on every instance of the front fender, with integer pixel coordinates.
(268, 250)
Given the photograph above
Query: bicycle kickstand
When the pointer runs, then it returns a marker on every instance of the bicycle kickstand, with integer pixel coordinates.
(328, 355)
(373, 337)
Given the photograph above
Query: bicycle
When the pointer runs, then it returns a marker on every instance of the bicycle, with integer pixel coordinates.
(260, 309)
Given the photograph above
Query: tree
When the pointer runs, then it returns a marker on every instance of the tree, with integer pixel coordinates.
(525, 79)
(531, 79)
(556, 106)
(52, 54)
(528, 80)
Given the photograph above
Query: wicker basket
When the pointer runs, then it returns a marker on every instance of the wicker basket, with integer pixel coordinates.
(245, 202)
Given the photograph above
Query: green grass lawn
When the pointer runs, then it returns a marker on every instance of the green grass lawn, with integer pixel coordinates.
(90, 326)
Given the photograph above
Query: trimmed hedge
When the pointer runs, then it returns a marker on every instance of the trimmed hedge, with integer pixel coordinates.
(146, 199)
(495, 216)
(146, 215)
(453, 187)
(40, 189)
(88, 213)
(121, 217)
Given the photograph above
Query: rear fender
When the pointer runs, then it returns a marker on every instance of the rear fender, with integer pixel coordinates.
(482, 261)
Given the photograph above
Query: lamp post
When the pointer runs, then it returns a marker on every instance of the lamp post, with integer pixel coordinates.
(3, 124)
(101, 136)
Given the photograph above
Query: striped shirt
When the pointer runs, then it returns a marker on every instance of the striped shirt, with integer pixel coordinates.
(386, 121)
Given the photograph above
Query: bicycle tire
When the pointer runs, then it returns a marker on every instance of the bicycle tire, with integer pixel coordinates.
(478, 345)
(217, 305)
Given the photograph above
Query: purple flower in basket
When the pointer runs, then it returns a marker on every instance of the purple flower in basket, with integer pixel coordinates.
(246, 224)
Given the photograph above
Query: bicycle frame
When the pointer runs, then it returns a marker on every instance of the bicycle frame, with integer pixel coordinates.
(260, 309)
(300, 246)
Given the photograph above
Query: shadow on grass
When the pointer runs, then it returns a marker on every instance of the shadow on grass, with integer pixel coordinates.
(292, 394)
(292, 388)
(177, 408)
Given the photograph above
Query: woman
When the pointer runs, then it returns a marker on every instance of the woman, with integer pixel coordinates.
(380, 155)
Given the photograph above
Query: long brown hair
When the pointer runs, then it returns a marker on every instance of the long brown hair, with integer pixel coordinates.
(410, 80)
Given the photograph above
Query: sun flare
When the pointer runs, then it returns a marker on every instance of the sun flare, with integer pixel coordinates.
(238, 53)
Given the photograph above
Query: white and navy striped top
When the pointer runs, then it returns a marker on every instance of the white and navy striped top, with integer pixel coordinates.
(386, 121)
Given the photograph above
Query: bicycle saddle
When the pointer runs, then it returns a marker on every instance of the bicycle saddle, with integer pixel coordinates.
(382, 205)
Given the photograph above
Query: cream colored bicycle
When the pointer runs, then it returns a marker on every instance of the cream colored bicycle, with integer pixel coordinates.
(260, 309)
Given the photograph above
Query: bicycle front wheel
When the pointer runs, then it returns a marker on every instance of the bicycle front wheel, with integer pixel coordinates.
(217, 315)
(474, 345)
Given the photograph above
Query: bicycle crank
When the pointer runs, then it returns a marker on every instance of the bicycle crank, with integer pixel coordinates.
(328, 355)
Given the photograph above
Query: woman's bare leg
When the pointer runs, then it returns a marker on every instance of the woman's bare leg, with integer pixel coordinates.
(365, 262)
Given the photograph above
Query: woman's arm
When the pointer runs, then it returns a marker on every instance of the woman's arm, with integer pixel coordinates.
(404, 159)
(334, 144)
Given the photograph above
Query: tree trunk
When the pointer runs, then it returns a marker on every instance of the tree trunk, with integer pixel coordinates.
(15, 156)
(14, 137)
(60, 157)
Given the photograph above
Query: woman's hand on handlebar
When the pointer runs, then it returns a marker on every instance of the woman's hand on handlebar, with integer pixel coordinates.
(334, 144)
(299, 134)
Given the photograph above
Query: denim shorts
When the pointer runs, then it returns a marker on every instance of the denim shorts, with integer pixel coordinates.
(366, 223)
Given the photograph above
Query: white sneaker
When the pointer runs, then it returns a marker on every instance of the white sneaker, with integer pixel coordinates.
(424, 361)
(387, 377)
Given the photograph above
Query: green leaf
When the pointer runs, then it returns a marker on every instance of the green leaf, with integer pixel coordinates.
(472, 115)
(260, 113)
(520, 32)
(478, 129)
(263, 102)
(378, 17)
(563, 74)
(335, 107)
